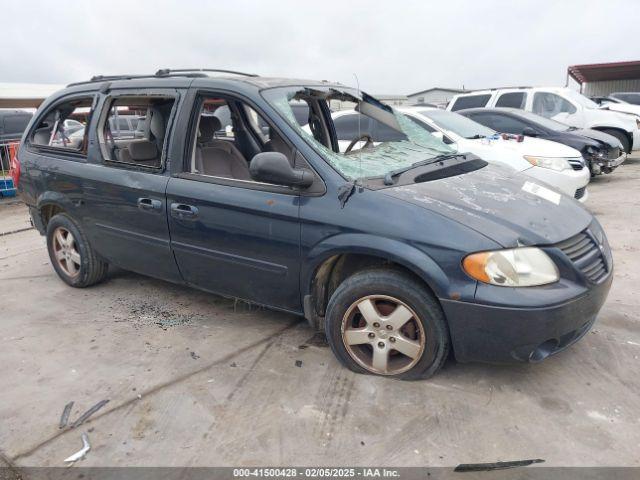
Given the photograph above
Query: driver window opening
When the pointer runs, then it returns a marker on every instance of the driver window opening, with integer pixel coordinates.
(228, 136)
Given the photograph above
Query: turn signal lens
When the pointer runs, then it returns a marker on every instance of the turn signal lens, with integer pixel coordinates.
(517, 267)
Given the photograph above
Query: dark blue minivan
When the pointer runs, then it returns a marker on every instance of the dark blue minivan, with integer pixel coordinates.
(398, 247)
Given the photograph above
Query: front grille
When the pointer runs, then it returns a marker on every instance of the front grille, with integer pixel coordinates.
(576, 163)
(586, 255)
(580, 192)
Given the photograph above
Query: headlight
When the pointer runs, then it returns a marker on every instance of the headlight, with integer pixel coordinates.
(595, 152)
(517, 267)
(554, 163)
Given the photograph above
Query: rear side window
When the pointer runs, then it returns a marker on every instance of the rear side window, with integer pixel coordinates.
(512, 100)
(500, 123)
(133, 130)
(350, 127)
(55, 130)
(471, 101)
(384, 133)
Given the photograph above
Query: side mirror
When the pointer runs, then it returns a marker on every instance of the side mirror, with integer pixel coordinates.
(274, 167)
(529, 132)
(439, 135)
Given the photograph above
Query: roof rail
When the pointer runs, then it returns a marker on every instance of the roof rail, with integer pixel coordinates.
(163, 72)
(112, 78)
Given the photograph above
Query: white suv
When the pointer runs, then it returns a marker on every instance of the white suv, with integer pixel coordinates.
(561, 104)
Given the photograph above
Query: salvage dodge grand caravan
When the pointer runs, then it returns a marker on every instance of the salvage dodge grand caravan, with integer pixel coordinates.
(400, 251)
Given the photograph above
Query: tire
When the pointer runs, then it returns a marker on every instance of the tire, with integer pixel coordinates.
(624, 140)
(72, 257)
(377, 333)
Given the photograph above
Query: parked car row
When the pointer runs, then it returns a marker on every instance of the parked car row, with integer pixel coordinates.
(561, 104)
(403, 234)
(555, 164)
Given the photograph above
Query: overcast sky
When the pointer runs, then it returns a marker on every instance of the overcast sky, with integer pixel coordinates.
(393, 47)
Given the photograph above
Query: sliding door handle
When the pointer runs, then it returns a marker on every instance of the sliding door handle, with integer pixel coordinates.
(180, 210)
(149, 204)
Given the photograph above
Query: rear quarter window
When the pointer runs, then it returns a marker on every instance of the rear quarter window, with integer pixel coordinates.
(471, 101)
(52, 132)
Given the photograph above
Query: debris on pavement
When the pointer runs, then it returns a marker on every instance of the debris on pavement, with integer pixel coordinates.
(318, 339)
(485, 467)
(194, 355)
(82, 452)
(64, 418)
(299, 363)
(85, 416)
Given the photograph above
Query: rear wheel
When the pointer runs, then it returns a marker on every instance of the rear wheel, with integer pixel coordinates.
(384, 322)
(72, 257)
(624, 140)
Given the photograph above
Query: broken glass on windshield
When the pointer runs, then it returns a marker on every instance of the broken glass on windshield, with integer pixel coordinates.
(384, 140)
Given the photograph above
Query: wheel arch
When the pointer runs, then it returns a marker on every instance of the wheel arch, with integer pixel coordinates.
(622, 131)
(331, 262)
(50, 204)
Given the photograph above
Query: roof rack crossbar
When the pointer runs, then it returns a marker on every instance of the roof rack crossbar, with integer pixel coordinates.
(167, 71)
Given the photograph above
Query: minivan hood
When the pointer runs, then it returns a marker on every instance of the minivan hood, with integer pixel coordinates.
(492, 202)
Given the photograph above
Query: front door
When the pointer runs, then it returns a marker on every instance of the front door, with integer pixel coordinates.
(229, 234)
(236, 241)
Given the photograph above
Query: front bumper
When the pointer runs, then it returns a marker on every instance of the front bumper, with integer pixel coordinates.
(600, 165)
(498, 334)
(568, 182)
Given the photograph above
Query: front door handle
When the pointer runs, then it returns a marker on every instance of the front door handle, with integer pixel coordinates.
(149, 204)
(180, 210)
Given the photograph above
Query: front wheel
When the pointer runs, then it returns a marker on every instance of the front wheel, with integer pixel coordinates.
(384, 322)
(624, 140)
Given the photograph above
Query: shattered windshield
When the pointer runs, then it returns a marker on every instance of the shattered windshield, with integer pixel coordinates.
(383, 140)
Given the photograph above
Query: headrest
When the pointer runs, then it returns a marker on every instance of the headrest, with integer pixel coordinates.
(208, 126)
(42, 136)
(141, 150)
(156, 125)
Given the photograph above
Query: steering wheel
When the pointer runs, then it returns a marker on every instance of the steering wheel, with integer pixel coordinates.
(365, 136)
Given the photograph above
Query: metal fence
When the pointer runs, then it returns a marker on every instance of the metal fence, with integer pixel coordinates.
(8, 150)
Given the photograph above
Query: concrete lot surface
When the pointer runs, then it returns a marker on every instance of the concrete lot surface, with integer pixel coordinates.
(196, 380)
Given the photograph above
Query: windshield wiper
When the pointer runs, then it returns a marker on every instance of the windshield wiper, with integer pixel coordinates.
(388, 178)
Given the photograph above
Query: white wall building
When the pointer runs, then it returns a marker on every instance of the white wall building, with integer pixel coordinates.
(436, 96)
(601, 79)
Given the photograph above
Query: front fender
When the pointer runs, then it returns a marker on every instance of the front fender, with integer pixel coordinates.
(398, 252)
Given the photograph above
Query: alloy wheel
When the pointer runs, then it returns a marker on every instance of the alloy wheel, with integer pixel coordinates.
(383, 334)
(65, 252)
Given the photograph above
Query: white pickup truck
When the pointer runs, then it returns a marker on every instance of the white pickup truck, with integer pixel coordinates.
(560, 103)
